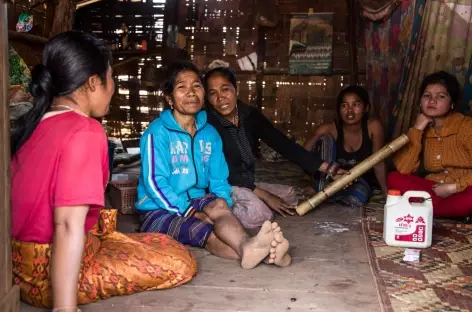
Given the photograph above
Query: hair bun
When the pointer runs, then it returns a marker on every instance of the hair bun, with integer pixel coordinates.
(41, 82)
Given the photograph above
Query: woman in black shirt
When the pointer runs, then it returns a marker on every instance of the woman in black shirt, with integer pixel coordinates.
(240, 127)
(350, 140)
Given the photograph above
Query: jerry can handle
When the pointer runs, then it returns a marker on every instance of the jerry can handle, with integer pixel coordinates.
(420, 194)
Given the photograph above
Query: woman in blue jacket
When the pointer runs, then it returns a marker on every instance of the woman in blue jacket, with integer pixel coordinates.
(183, 189)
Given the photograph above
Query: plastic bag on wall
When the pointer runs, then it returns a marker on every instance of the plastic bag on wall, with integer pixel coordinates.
(25, 22)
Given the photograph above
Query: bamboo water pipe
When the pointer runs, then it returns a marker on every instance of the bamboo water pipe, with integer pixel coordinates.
(355, 173)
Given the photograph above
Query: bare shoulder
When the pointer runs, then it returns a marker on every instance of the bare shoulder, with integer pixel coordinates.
(376, 129)
(374, 124)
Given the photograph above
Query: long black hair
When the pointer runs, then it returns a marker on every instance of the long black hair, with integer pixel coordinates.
(68, 60)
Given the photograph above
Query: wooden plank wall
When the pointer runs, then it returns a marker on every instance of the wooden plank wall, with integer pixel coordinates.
(297, 104)
(9, 296)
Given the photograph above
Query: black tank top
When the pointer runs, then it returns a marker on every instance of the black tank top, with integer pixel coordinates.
(348, 160)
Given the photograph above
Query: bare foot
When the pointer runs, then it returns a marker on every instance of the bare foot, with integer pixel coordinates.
(282, 258)
(275, 227)
(258, 248)
(271, 258)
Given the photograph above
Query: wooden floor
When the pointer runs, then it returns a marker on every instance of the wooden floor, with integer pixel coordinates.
(330, 272)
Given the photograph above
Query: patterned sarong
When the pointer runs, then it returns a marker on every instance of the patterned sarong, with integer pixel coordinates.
(187, 230)
(251, 210)
(113, 264)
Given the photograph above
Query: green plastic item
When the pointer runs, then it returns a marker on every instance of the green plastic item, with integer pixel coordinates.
(19, 73)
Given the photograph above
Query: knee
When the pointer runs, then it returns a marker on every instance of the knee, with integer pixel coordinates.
(326, 137)
(325, 141)
(325, 145)
(217, 208)
(203, 217)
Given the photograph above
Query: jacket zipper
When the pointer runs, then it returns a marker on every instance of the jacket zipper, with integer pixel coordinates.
(193, 156)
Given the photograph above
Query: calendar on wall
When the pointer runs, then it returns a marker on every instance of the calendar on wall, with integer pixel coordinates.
(311, 44)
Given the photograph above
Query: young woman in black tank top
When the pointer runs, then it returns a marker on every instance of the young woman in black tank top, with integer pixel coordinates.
(350, 140)
(349, 159)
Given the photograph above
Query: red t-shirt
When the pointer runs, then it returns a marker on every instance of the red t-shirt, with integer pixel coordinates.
(64, 163)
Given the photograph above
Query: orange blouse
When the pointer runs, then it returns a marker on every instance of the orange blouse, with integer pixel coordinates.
(447, 157)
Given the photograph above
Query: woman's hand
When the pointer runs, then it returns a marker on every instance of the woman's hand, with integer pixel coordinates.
(275, 203)
(333, 171)
(422, 121)
(340, 172)
(444, 190)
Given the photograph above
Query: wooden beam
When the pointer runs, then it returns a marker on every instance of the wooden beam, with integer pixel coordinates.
(9, 297)
(84, 3)
(126, 61)
(26, 38)
(352, 37)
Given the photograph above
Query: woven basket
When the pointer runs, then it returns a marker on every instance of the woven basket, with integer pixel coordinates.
(123, 195)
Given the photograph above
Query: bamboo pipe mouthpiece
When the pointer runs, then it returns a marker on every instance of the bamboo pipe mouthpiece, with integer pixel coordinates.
(355, 173)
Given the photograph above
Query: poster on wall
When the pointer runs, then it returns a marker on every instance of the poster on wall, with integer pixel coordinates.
(311, 44)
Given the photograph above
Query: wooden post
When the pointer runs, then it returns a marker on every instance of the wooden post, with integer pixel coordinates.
(49, 21)
(9, 296)
(261, 51)
(135, 104)
(63, 16)
(352, 35)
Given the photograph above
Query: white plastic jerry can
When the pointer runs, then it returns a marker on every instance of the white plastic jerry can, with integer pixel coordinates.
(408, 224)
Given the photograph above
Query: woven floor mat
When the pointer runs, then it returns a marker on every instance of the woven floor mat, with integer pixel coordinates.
(441, 281)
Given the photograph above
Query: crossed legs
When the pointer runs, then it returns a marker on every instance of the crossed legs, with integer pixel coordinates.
(229, 239)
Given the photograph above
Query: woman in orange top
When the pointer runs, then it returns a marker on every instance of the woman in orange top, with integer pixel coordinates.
(441, 142)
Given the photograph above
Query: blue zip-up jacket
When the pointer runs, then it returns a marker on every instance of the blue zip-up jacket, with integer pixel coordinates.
(176, 168)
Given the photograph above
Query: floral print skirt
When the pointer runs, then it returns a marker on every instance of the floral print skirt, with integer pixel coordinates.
(113, 264)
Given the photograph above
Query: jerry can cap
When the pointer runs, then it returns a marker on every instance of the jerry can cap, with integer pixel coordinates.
(394, 192)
